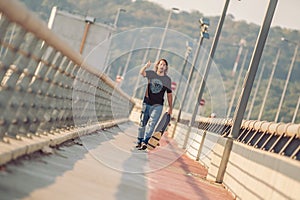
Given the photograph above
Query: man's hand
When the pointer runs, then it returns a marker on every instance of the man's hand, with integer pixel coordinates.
(142, 71)
(170, 111)
(148, 64)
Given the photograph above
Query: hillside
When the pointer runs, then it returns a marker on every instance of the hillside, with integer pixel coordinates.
(146, 14)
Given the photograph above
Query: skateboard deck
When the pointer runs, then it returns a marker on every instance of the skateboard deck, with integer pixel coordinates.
(159, 131)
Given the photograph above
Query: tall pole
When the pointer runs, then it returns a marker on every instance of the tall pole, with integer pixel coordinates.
(200, 41)
(239, 114)
(129, 57)
(144, 62)
(203, 34)
(237, 84)
(269, 85)
(296, 111)
(164, 33)
(210, 58)
(207, 69)
(117, 16)
(186, 56)
(88, 22)
(107, 69)
(196, 80)
(256, 91)
(286, 83)
(263, 34)
(242, 44)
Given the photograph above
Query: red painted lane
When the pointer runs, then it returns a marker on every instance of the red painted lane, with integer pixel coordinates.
(181, 177)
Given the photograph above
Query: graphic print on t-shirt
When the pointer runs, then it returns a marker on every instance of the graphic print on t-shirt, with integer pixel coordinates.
(156, 86)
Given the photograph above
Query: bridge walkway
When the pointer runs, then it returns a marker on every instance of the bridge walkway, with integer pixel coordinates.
(105, 165)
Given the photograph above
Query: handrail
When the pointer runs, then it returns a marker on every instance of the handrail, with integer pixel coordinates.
(18, 13)
(48, 95)
(282, 138)
(40, 75)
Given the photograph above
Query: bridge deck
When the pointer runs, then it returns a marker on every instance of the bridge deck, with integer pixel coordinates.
(105, 165)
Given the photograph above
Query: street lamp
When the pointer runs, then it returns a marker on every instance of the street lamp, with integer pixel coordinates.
(107, 69)
(88, 21)
(165, 32)
(296, 111)
(117, 16)
(243, 100)
(269, 85)
(242, 45)
(128, 59)
(196, 81)
(204, 23)
(144, 61)
(256, 91)
(287, 78)
(237, 83)
(186, 56)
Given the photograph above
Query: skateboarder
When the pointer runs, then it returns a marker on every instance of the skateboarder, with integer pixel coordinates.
(158, 83)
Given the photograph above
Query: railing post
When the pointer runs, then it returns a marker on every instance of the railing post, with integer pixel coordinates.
(201, 146)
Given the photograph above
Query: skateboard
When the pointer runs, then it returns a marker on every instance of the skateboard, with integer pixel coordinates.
(159, 131)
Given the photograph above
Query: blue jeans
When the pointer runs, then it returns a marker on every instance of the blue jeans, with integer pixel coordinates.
(149, 118)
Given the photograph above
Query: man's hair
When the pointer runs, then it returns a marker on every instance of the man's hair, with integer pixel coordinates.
(156, 65)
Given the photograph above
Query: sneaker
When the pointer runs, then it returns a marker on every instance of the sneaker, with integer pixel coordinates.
(143, 147)
(139, 145)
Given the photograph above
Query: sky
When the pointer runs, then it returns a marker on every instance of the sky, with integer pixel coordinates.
(287, 13)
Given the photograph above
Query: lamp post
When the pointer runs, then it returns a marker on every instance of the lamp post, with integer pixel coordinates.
(237, 83)
(296, 111)
(88, 21)
(129, 57)
(269, 85)
(107, 69)
(242, 45)
(117, 16)
(239, 113)
(208, 64)
(256, 91)
(287, 78)
(207, 69)
(186, 56)
(200, 93)
(144, 62)
(196, 80)
(204, 23)
(164, 33)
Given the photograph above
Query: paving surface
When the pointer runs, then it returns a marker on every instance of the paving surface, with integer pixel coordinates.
(105, 165)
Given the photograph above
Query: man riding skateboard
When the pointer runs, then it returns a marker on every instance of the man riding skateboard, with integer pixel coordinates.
(159, 83)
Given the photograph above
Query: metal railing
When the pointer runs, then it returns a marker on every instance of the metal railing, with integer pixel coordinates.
(274, 137)
(280, 138)
(45, 86)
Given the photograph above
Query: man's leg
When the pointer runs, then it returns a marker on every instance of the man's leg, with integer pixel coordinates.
(155, 112)
(143, 122)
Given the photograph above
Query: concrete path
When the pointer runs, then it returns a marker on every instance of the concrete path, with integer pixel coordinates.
(105, 165)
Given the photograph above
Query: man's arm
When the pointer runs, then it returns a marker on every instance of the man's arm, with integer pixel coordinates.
(170, 102)
(143, 69)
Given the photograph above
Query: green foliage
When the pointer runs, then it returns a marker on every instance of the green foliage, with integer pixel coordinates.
(146, 14)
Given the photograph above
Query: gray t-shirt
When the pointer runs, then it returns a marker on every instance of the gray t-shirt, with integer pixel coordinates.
(157, 86)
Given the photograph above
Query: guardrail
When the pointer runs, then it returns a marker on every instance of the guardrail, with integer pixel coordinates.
(278, 138)
(45, 87)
